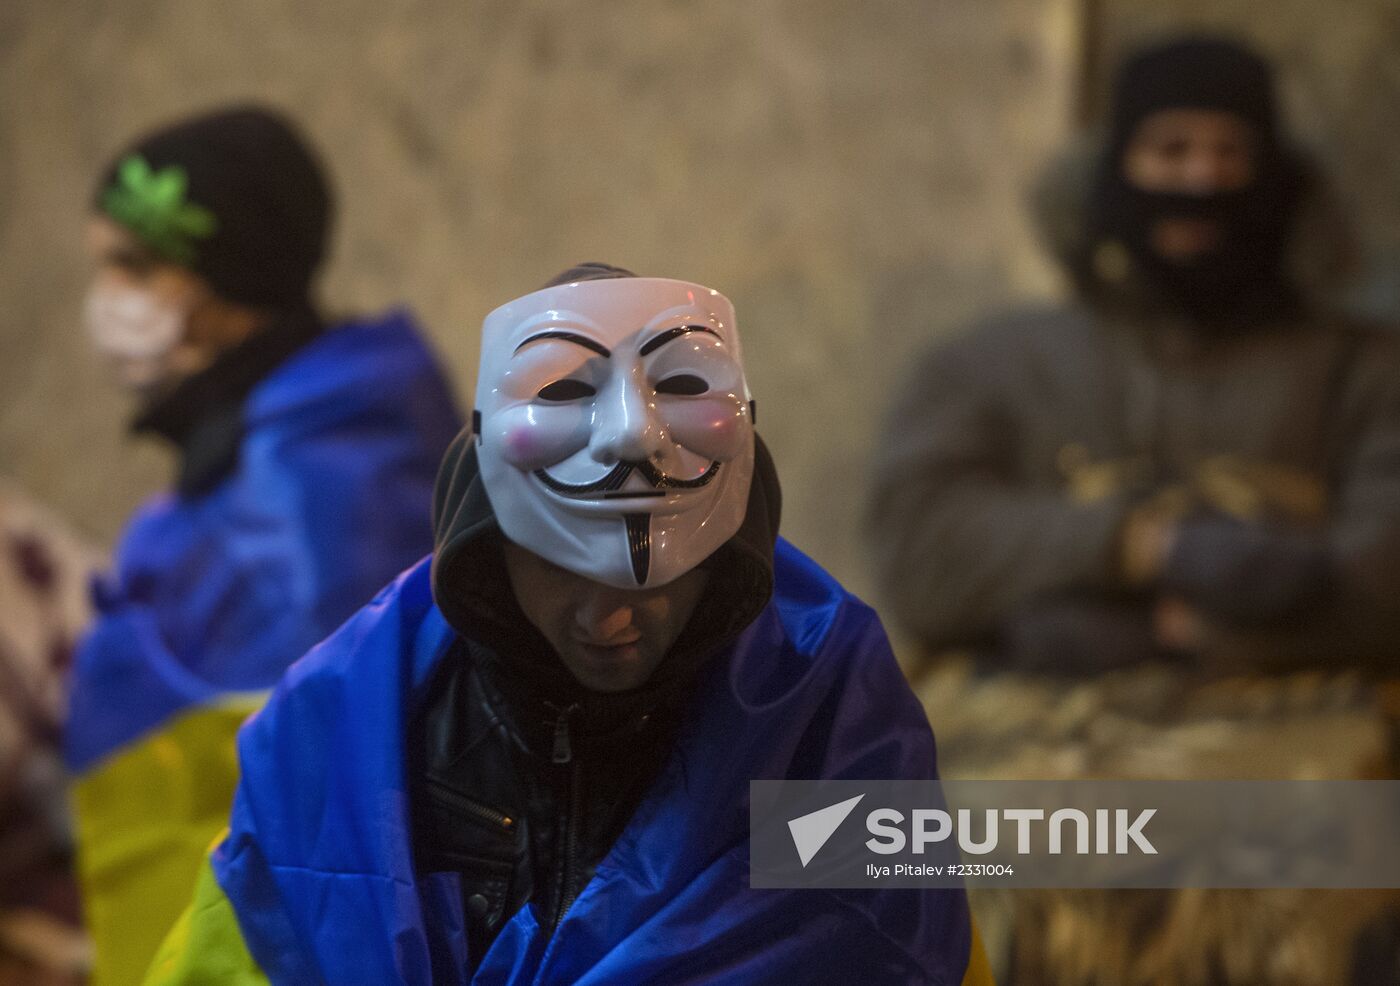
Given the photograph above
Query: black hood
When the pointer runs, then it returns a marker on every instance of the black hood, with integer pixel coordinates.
(473, 592)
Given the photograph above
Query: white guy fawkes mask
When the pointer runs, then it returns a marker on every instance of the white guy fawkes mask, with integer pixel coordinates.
(614, 427)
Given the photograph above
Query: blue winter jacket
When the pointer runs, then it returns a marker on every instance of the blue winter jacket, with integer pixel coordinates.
(213, 596)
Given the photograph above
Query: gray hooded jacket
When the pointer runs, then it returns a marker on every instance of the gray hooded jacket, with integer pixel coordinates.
(1014, 453)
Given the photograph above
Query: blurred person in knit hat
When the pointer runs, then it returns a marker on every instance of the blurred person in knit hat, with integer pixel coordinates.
(305, 454)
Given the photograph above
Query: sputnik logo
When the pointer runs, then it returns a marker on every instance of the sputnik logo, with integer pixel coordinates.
(811, 831)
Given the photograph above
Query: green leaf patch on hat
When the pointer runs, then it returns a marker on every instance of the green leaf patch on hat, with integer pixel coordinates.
(152, 205)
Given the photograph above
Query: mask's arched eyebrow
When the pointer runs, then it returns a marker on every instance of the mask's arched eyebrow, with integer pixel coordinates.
(670, 335)
(573, 337)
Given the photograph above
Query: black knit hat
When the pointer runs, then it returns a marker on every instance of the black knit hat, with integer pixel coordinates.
(1197, 72)
(236, 196)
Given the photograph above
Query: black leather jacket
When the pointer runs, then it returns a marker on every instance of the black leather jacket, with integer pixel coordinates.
(521, 779)
(523, 803)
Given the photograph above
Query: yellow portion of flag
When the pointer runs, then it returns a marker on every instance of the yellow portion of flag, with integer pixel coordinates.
(205, 945)
(145, 816)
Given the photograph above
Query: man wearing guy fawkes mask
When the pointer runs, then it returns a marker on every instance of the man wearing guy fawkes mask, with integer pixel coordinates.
(1188, 462)
(528, 760)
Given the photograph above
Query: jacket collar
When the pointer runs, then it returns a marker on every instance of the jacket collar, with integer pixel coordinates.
(202, 416)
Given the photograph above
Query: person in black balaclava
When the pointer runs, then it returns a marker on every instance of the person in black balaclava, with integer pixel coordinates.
(306, 454)
(1186, 472)
(1195, 187)
(1186, 463)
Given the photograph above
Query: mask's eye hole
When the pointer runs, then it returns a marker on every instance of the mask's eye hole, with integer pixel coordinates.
(687, 384)
(566, 390)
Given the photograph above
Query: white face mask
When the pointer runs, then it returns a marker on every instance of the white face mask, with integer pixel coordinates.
(135, 331)
(615, 435)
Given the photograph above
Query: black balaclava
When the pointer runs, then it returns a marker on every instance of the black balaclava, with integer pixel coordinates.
(236, 196)
(1244, 277)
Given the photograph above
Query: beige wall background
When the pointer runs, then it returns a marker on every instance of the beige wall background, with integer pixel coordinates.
(850, 174)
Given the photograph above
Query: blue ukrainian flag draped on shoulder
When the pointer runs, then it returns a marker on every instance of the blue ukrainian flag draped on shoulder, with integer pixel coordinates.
(214, 596)
(315, 883)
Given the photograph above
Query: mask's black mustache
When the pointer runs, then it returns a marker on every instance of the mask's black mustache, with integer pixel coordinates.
(661, 481)
(618, 474)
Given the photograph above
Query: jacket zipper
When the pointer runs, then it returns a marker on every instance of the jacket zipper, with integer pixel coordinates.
(570, 892)
(563, 748)
(564, 756)
(481, 812)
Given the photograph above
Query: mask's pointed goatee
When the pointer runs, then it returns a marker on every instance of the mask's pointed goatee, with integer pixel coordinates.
(639, 545)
